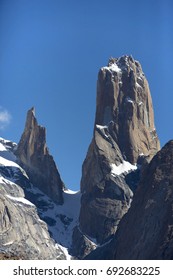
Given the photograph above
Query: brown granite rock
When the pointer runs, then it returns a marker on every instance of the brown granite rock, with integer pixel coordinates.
(124, 138)
(123, 98)
(33, 154)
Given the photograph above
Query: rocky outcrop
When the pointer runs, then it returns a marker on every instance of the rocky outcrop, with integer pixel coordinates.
(146, 231)
(124, 138)
(33, 155)
(22, 234)
(81, 244)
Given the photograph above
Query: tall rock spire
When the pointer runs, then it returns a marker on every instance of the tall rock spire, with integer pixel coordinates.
(124, 137)
(124, 103)
(33, 154)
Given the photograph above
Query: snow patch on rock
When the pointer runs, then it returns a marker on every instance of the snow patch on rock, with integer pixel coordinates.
(124, 167)
(113, 67)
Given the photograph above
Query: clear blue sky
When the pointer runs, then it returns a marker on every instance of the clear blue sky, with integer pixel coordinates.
(50, 54)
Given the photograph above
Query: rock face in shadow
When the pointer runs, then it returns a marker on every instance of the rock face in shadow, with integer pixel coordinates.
(124, 138)
(34, 156)
(146, 231)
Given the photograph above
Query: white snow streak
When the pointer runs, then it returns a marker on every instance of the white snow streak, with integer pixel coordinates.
(20, 200)
(2, 147)
(101, 126)
(6, 162)
(65, 251)
(129, 100)
(138, 85)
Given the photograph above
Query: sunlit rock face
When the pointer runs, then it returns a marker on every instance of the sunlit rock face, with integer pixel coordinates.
(124, 105)
(34, 156)
(124, 139)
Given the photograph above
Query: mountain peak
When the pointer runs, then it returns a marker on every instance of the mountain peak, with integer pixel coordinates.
(124, 138)
(33, 154)
(124, 101)
(30, 116)
(125, 59)
(32, 110)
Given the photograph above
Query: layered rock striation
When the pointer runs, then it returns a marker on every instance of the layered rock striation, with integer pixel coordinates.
(33, 155)
(124, 138)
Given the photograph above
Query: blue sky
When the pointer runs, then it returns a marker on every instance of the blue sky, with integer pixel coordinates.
(50, 54)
